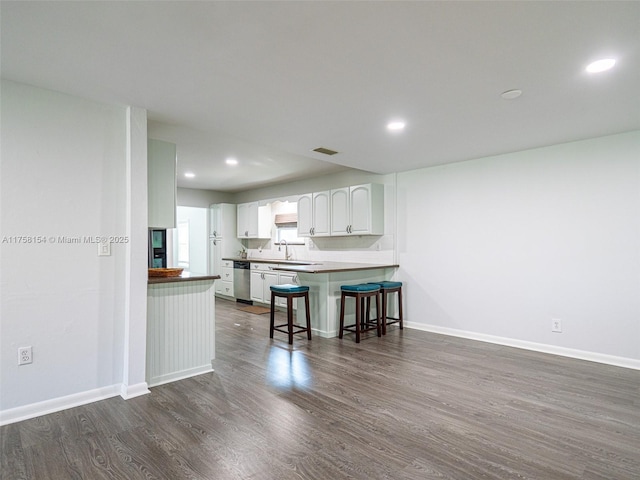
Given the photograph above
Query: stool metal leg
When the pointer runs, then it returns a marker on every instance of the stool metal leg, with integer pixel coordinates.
(400, 317)
(385, 305)
(358, 317)
(341, 329)
(378, 329)
(272, 315)
(308, 310)
(384, 311)
(367, 317)
(290, 318)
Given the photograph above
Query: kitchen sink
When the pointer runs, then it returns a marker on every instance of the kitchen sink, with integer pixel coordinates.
(298, 262)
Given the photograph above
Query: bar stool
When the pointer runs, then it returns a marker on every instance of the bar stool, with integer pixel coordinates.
(290, 291)
(363, 322)
(385, 289)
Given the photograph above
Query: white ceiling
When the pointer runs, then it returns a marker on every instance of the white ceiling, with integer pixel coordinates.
(266, 82)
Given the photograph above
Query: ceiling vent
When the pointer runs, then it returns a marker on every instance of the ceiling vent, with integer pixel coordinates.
(326, 151)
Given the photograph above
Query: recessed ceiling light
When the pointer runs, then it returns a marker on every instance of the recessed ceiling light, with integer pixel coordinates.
(396, 126)
(189, 174)
(601, 65)
(231, 161)
(511, 94)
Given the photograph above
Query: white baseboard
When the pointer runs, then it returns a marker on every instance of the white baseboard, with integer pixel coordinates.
(132, 391)
(182, 374)
(53, 405)
(538, 347)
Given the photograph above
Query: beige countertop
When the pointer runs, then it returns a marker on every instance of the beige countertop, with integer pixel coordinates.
(270, 260)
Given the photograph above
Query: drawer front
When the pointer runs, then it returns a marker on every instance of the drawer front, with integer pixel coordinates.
(226, 288)
(226, 264)
(263, 267)
(227, 274)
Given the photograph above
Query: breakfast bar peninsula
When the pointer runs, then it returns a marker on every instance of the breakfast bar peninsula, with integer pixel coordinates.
(180, 327)
(324, 281)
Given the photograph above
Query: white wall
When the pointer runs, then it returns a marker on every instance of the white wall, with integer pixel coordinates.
(65, 173)
(192, 197)
(198, 238)
(495, 248)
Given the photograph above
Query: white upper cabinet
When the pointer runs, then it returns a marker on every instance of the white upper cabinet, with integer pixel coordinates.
(367, 209)
(215, 221)
(222, 220)
(313, 215)
(357, 210)
(253, 220)
(161, 184)
(305, 215)
(340, 214)
(242, 220)
(321, 214)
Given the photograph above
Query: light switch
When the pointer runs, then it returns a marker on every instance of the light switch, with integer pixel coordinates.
(104, 248)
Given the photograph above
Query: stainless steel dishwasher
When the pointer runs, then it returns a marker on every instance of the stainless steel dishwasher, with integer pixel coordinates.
(242, 282)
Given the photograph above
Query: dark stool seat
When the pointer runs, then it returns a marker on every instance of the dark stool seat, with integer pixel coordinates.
(290, 291)
(363, 323)
(386, 288)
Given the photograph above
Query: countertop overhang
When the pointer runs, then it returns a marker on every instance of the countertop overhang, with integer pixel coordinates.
(309, 266)
(334, 267)
(185, 277)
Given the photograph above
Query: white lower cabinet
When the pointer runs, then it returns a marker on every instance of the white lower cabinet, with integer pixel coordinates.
(224, 286)
(262, 277)
(286, 278)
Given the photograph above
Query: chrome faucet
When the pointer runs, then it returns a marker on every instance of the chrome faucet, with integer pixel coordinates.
(286, 249)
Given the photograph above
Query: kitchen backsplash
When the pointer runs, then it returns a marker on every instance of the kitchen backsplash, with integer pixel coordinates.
(359, 249)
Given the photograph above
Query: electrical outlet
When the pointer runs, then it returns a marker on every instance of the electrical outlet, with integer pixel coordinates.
(556, 325)
(25, 355)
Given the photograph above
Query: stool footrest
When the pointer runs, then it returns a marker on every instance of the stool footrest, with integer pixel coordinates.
(391, 320)
(369, 326)
(283, 330)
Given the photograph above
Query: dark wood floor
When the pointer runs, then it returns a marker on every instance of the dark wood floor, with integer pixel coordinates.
(411, 405)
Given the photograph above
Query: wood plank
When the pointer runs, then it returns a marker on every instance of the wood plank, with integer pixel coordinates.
(410, 405)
